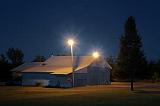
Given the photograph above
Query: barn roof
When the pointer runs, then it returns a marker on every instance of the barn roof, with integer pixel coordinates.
(57, 65)
(26, 66)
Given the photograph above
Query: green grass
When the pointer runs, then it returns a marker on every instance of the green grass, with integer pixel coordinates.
(145, 94)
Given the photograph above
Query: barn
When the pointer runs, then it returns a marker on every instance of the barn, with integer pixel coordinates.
(56, 71)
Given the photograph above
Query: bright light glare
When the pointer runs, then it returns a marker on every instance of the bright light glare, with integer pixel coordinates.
(95, 54)
(70, 42)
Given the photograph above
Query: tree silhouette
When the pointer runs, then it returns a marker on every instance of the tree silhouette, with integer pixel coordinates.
(39, 58)
(15, 55)
(4, 68)
(3, 59)
(131, 59)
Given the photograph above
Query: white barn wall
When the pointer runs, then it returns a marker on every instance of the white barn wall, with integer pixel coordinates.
(46, 79)
(80, 79)
(98, 76)
(91, 75)
(34, 82)
(61, 81)
(31, 79)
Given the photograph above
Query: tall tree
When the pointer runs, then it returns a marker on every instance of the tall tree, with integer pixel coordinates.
(131, 59)
(15, 55)
(39, 58)
(4, 68)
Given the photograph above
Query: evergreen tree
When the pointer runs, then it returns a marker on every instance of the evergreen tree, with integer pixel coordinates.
(131, 60)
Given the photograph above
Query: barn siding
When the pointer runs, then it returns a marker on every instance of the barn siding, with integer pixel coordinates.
(98, 76)
(94, 76)
(80, 79)
(32, 79)
(61, 81)
(91, 75)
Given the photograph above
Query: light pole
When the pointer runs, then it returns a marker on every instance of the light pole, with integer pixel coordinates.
(71, 43)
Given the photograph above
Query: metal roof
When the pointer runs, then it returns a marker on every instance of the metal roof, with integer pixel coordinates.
(58, 65)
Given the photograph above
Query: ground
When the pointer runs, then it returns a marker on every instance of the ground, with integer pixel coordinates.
(117, 94)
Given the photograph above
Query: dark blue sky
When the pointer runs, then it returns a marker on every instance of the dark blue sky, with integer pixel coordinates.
(39, 27)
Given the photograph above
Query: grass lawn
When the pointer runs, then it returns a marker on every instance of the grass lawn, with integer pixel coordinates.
(145, 94)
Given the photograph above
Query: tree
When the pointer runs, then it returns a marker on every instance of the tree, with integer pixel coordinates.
(154, 70)
(131, 60)
(15, 55)
(63, 54)
(158, 66)
(4, 68)
(3, 59)
(39, 58)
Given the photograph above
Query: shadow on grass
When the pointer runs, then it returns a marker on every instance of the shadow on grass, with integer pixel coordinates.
(147, 92)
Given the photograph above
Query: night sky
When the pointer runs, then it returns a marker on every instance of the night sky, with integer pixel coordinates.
(40, 27)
